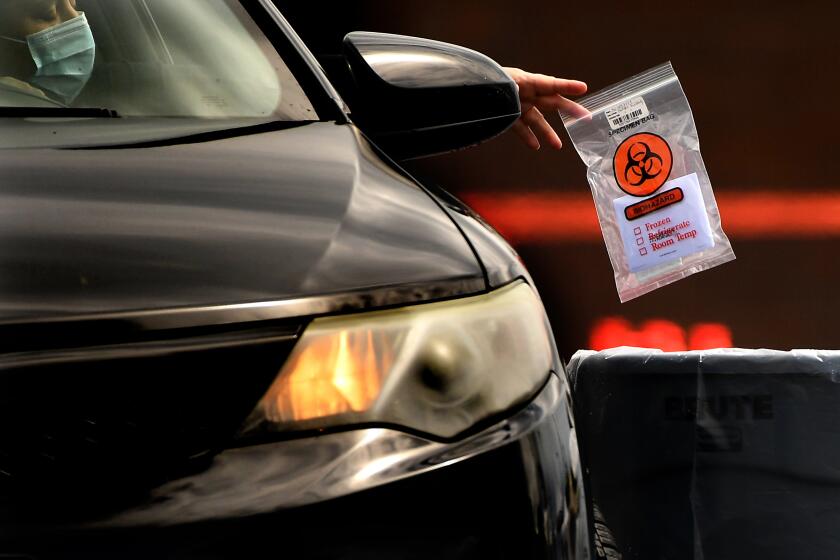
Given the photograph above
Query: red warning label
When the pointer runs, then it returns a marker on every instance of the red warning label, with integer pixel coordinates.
(642, 164)
(654, 203)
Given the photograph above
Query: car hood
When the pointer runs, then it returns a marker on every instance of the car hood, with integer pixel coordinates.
(252, 217)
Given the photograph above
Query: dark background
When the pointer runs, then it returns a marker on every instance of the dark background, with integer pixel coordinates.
(762, 81)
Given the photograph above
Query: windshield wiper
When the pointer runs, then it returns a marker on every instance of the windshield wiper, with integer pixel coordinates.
(58, 112)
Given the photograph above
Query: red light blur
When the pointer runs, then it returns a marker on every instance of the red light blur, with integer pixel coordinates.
(710, 335)
(661, 334)
(665, 335)
(611, 333)
(541, 217)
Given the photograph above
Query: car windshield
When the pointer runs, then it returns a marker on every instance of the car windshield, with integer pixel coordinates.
(204, 59)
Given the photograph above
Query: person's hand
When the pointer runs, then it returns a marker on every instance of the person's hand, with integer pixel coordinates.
(540, 94)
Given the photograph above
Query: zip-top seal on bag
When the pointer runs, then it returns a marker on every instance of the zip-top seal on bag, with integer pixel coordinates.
(654, 199)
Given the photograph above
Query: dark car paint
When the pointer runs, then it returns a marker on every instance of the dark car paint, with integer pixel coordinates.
(500, 261)
(310, 214)
(264, 217)
(412, 62)
(522, 500)
(417, 97)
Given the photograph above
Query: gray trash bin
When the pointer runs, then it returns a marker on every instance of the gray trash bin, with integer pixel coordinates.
(718, 454)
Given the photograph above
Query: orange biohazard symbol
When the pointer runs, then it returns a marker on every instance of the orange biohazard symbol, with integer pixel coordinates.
(642, 164)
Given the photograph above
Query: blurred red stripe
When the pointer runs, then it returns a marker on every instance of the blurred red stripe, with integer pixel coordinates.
(612, 332)
(544, 217)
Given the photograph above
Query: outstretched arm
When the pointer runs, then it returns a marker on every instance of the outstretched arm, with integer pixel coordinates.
(539, 94)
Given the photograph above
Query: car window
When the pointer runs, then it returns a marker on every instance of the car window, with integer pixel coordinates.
(171, 58)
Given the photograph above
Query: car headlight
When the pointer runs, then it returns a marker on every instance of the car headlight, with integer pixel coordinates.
(436, 368)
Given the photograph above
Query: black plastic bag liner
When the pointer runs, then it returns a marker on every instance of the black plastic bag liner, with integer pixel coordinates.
(715, 455)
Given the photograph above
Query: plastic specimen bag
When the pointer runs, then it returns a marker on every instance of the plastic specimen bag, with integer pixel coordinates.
(654, 199)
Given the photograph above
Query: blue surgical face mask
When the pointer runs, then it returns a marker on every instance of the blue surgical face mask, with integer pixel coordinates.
(64, 55)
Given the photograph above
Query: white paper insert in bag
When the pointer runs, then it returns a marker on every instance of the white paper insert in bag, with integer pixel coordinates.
(679, 229)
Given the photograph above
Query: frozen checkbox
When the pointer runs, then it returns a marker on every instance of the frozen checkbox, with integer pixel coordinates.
(637, 231)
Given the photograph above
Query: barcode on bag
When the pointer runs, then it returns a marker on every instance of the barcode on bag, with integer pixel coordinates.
(626, 112)
(630, 117)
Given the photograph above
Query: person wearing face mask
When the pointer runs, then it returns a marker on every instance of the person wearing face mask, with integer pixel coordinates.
(47, 49)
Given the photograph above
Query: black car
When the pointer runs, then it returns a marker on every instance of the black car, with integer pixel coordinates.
(234, 326)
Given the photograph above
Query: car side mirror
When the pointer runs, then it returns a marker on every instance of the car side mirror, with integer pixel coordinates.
(416, 97)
